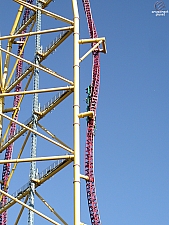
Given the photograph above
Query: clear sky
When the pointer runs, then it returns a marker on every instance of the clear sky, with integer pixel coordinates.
(131, 144)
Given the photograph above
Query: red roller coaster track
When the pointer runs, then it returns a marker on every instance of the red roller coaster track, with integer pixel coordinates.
(9, 150)
(89, 168)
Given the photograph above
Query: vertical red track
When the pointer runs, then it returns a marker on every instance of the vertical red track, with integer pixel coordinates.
(89, 168)
(9, 150)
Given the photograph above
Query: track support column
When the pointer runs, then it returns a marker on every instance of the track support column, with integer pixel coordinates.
(76, 118)
(35, 108)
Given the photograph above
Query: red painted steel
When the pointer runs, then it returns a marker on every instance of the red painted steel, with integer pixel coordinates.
(9, 150)
(95, 83)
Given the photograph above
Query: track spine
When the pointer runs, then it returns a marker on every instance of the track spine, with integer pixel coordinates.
(95, 83)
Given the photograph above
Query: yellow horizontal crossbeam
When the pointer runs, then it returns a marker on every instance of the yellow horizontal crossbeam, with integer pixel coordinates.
(95, 40)
(36, 91)
(84, 177)
(10, 109)
(91, 40)
(37, 32)
(36, 159)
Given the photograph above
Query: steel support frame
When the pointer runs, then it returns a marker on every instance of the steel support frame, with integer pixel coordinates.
(76, 106)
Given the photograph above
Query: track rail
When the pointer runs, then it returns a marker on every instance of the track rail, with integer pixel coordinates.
(89, 162)
(9, 149)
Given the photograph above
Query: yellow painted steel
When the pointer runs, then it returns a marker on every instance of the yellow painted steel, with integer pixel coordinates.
(30, 208)
(31, 19)
(57, 103)
(14, 138)
(43, 11)
(10, 109)
(84, 177)
(57, 44)
(95, 40)
(38, 133)
(36, 159)
(1, 118)
(62, 166)
(19, 104)
(42, 180)
(15, 165)
(91, 40)
(86, 114)
(37, 32)
(52, 135)
(1, 98)
(51, 209)
(15, 65)
(90, 51)
(76, 122)
(39, 67)
(1, 75)
(21, 211)
(37, 91)
(44, 56)
(9, 45)
(11, 203)
(42, 114)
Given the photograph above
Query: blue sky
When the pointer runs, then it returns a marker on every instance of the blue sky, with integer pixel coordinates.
(131, 144)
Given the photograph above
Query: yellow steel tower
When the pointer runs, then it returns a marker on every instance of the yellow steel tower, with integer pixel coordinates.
(19, 85)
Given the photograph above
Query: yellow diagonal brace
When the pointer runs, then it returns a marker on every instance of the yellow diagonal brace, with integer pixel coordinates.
(29, 207)
(90, 51)
(21, 211)
(36, 132)
(52, 135)
(21, 51)
(39, 67)
(15, 165)
(19, 103)
(50, 208)
(48, 13)
(9, 45)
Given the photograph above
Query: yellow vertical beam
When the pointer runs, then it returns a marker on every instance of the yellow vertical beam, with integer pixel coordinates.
(1, 98)
(76, 118)
(0, 63)
(1, 118)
